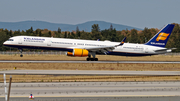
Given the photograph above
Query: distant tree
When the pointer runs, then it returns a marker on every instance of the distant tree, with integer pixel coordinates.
(72, 35)
(19, 31)
(49, 33)
(85, 35)
(111, 27)
(78, 33)
(10, 33)
(147, 33)
(68, 34)
(59, 30)
(77, 29)
(174, 40)
(134, 36)
(23, 32)
(40, 34)
(31, 31)
(3, 38)
(95, 28)
(96, 34)
(65, 34)
(36, 31)
(16, 33)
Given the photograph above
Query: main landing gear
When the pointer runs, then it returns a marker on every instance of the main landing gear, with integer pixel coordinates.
(21, 52)
(92, 59)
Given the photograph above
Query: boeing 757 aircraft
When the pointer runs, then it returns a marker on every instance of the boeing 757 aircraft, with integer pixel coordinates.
(83, 48)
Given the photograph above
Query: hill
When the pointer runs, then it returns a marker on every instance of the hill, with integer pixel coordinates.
(24, 25)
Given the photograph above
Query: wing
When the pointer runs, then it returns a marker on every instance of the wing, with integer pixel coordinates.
(105, 49)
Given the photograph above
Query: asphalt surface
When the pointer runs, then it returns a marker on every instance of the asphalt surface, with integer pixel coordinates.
(89, 72)
(45, 61)
(161, 98)
(94, 89)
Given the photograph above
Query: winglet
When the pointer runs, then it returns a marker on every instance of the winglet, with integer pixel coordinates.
(122, 42)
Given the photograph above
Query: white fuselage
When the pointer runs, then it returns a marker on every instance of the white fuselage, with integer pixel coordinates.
(62, 44)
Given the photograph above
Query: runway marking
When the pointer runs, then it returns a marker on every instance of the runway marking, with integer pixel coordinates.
(90, 72)
(104, 96)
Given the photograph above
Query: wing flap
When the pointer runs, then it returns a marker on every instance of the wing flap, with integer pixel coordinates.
(105, 49)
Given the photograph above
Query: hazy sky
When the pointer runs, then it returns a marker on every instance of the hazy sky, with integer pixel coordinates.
(136, 13)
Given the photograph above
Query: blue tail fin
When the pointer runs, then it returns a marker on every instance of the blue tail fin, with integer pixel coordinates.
(161, 38)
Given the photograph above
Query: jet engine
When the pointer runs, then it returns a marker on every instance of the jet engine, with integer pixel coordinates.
(78, 52)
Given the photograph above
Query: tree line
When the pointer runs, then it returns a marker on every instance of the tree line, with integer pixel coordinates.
(111, 34)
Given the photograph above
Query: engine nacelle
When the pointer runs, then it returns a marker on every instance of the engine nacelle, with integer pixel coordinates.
(78, 52)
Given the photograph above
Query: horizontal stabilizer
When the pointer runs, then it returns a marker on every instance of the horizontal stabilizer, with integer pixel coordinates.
(162, 50)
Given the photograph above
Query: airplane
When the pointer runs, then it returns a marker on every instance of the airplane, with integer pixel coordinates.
(31, 97)
(87, 48)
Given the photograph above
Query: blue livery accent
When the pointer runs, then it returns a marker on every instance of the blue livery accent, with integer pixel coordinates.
(128, 54)
(161, 38)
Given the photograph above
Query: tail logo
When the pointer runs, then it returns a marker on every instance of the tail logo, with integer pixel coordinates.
(162, 36)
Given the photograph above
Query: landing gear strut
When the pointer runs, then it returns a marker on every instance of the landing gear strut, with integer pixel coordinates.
(21, 52)
(92, 59)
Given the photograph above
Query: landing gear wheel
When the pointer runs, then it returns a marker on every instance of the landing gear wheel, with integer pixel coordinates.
(92, 59)
(88, 59)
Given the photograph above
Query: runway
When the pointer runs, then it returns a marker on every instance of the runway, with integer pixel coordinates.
(50, 61)
(94, 89)
(143, 98)
(90, 72)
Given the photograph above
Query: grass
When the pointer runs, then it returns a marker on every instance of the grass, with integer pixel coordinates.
(90, 66)
(100, 57)
(51, 78)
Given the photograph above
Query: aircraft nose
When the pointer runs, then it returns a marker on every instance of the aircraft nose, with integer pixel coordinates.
(5, 43)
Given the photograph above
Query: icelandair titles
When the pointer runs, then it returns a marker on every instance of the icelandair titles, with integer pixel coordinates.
(153, 43)
(33, 39)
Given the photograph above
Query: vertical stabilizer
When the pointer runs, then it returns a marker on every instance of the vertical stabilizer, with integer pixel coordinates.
(161, 38)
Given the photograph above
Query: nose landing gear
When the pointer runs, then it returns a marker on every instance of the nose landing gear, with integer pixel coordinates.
(21, 52)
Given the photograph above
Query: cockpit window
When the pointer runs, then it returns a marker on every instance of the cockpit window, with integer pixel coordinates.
(10, 40)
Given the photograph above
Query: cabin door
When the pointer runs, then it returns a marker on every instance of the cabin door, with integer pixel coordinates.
(20, 40)
(48, 42)
(146, 49)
